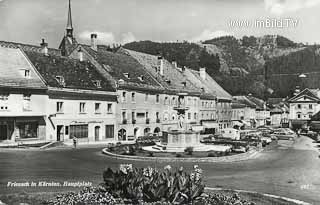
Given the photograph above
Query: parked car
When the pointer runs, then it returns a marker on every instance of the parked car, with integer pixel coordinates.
(267, 140)
(284, 135)
(240, 149)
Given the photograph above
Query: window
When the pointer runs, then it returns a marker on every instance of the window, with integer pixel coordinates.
(298, 115)
(173, 101)
(28, 129)
(310, 114)
(147, 115)
(157, 98)
(124, 117)
(27, 73)
(202, 104)
(189, 116)
(26, 102)
(133, 97)
(60, 80)
(146, 97)
(97, 83)
(109, 131)
(66, 130)
(133, 117)
(124, 96)
(299, 106)
(97, 108)
(4, 102)
(310, 106)
(109, 108)
(78, 131)
(82, 107)
(195, 102)
(157, 115)
(59, 107)
(166, 99)
(195, 115)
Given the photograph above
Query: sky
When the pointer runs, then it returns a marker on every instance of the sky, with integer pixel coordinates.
(122, 21)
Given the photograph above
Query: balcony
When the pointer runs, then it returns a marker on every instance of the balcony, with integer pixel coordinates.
(148, 121)
(124, 121)
(134, 121)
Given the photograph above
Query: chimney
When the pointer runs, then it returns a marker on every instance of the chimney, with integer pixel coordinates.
(94, 41)
(203, 73)
(80, 54)
(44, 47)
(160, 59)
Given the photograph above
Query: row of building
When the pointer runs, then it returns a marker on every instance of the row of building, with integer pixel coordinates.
(97, 95)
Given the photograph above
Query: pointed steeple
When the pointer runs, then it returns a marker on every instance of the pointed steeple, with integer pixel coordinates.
(69, 23)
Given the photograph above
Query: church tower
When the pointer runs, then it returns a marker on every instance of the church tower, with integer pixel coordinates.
(69, 23)
(68, 42)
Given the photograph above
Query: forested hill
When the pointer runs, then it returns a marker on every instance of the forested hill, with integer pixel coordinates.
(264, 66)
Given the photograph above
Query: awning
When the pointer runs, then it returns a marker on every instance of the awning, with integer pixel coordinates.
(210, 125)
(197, 128)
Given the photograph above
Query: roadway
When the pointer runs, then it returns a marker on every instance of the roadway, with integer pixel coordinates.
(285, 169)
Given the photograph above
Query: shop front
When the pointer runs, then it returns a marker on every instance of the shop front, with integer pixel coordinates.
(22, 128)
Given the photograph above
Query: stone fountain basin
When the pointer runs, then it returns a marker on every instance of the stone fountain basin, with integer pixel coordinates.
(198, 148)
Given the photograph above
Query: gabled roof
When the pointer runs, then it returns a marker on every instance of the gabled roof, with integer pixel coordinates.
(260, 104)
(311, 93)
(13, 65)
(244, 100)
(27, 47)
(128, 72)
(173, 79)
(209, 84)
(75, 74)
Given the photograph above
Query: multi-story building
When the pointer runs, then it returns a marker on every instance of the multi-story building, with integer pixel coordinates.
(22, 98)
(215, 102)
(248, 108)
(303, 106)
(279, 112)
(81, 103)
(262, 111)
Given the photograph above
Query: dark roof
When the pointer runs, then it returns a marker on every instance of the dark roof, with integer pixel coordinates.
(237, 105)
(173, 79)
(13, 64)
(76, 74)
(126, 70)
(209, 84)
(244, 100)
(27, 47)
(274, 101)
(259, 102)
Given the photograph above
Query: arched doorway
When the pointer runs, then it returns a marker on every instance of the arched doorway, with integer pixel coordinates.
(96, 133)
(146, 131)
(156, 130)
(136, 132)
(122, 135)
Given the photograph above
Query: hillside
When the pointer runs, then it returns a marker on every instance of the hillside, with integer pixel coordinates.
(264, 66)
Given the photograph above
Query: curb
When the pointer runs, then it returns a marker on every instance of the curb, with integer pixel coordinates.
(267, 195)
(234, 158)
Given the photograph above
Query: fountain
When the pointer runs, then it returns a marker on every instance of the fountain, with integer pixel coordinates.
(183, 137)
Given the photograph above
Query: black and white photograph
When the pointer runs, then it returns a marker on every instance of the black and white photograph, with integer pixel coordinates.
(159, 102)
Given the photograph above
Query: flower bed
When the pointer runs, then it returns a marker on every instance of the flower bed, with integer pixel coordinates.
(136, 150)
(130, 185)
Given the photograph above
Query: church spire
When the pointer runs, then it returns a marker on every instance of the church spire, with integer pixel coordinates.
(69, 23)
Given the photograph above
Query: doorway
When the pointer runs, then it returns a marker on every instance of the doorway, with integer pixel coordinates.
(59, 132)
(3, 132)
(97, 133)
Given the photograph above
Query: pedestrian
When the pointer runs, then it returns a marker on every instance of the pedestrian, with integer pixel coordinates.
(75, 141)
